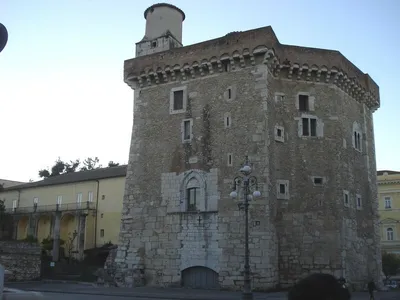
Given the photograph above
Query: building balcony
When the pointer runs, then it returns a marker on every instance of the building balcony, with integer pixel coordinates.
(65, 207)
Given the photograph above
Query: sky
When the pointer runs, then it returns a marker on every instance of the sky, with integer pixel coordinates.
(61, 73)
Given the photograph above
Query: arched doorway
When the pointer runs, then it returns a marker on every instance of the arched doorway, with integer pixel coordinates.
(200, 278)
(43, 228)
(67, 227)
(22, 231)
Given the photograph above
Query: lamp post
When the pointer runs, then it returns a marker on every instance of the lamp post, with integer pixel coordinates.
(247, 182)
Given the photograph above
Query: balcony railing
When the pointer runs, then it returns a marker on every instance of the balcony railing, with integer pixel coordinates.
(53, 208)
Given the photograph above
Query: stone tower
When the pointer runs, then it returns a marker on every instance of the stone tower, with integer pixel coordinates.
(163, 29)
(304, 118)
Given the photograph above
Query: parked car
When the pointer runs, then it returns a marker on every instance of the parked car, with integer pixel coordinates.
(14, 294)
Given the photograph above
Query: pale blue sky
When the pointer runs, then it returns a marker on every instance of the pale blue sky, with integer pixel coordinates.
(61, 87)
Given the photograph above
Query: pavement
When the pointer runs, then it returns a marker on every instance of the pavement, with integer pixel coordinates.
(80, 291)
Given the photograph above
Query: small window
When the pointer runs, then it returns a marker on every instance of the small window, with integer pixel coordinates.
(279, 97)
(358, 202)
(103, 197)
(229, 93)
(101, 232)
(279, 134)
(59, 200)
(187, 130)
(153, 44)
(346, 198)
(309, 126)
(388, 202)
(90, 196)
(389, 234)
(15, 204)
(282, 188)
(318, 180)
(230, 163)
(357, 140)
(101, 216)
(36, 200)
(178, 100)
(303, 103)
(227, 120)
(192, 195)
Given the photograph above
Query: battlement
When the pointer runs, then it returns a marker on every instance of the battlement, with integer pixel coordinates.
(246, 48)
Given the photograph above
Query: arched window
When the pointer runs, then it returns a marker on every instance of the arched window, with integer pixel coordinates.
(357, 142)
(193, 195)
(389, 234)
(193, 191)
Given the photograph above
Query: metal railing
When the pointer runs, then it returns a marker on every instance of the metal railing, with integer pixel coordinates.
(53, 208)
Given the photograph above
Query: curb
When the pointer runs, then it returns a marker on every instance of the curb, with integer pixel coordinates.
(52, 281)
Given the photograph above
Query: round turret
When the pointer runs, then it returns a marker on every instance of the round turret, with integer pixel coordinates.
(163, 17)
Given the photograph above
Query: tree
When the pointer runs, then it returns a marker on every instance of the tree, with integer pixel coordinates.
(1, 187)
(390, 264)
(6, 224)
(112, 164)
(62, 167)
(91, 164)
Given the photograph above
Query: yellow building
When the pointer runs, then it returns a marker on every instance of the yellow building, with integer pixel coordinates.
(83, 208)
(389, 210)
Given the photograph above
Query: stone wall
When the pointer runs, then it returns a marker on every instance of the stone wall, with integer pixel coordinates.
(22, 259)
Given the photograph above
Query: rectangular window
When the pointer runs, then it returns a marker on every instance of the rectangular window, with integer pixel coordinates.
(228, 121)
(178, 100)
(36, 200)
(278, 132)
(358, 202)
(187, 130)
(79, 199)
(90, 196)
(101, 232)
(192, 199)
(230, 160)
(309, 126)
(15, 204)
(346, 198)
(306, 131)
(388, 202)
(318, 180)
(229, 93)
(101, 216)
(59, 200)
(303, 103)
(282, 188)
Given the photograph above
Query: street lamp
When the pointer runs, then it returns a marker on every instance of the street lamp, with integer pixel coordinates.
(247, 182)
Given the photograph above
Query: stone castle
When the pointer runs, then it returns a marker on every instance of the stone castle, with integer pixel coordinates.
(303, 116)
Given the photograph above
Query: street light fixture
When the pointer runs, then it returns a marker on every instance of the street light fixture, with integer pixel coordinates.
(247, 182)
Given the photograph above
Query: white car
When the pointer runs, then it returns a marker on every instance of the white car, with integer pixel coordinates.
(14, 294)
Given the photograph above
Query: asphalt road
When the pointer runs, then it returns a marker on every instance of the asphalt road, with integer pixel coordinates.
(64, 296)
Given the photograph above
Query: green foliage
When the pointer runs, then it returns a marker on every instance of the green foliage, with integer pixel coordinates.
(91, 164)
(112, 164)
(30, 239)
(62, 167)
(47, 243)
(390, 264)
(1, 187)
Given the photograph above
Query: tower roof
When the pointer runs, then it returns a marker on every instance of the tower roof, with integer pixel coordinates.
(164, 4)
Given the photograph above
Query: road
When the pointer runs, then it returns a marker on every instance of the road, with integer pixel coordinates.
(64, 296)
